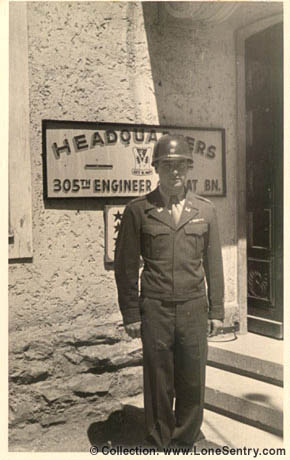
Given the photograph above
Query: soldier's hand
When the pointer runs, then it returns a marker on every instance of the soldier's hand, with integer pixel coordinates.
(214, 325)
(133, 329)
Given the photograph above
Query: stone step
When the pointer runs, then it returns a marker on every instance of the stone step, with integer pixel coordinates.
(254, 356)
(253, 402)
(225, 431)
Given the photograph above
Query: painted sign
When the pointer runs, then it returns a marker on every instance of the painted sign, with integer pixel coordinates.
(113, 217)
(86, 159)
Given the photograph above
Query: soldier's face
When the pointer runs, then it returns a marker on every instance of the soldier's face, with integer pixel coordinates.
(172, 175)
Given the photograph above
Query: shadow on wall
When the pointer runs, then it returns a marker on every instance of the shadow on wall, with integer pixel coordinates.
(172, 65)
(161, 61)
(84, 204)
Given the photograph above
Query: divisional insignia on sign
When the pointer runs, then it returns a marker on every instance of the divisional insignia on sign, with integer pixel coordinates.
(142, 157)
(117, 222)
(113, 219)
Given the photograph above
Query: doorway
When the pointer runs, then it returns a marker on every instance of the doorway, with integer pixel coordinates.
(264, 180)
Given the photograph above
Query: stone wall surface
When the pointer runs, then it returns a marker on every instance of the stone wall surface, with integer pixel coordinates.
(113, 62)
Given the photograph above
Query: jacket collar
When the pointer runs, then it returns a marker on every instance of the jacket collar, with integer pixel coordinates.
(155, 207)
(190, 210)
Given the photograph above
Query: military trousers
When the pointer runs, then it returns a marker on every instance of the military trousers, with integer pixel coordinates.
(174, 338)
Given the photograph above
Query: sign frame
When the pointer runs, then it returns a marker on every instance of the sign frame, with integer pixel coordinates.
(70, 124)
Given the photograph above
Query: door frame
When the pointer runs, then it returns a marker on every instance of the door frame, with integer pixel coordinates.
(242, 285)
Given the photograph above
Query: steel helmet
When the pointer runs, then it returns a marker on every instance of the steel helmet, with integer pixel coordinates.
(171, 146)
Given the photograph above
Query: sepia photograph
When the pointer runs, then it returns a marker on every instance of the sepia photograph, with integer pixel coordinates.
(145, 228)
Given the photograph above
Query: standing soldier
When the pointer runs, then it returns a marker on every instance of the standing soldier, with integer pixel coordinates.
(176, 233)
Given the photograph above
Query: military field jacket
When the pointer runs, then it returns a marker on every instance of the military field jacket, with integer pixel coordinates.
(177, 258)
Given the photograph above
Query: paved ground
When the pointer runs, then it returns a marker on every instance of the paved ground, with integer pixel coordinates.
(126, 427)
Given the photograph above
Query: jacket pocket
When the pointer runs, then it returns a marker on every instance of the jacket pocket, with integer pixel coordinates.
(155, 241)
(194, 237)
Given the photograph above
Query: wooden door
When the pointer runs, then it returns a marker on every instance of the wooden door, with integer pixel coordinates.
(264, 139)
